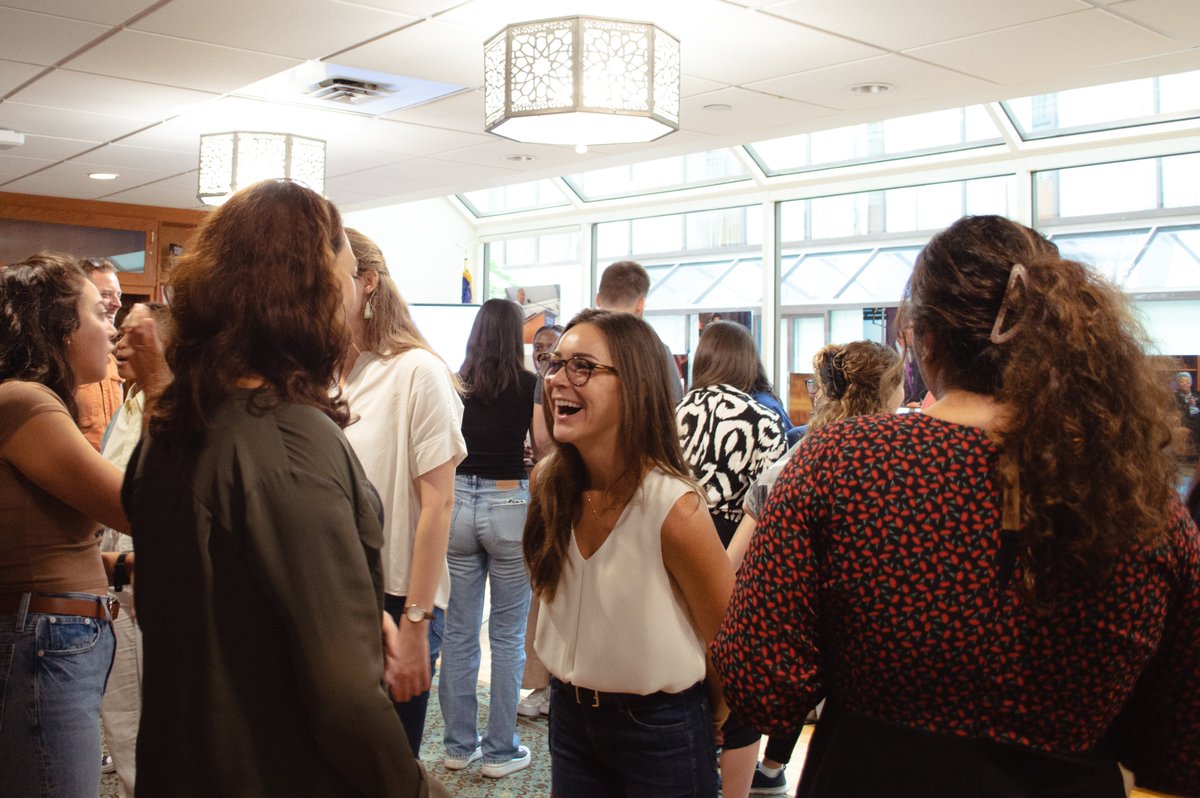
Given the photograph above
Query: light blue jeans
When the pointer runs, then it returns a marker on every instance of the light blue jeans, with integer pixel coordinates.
(52, 674)
(485, 543)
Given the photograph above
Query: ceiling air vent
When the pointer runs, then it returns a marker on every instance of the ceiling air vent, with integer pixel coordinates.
(337, 87)
(348, 91)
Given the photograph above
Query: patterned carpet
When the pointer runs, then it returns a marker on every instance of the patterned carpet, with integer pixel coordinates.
(532, 782)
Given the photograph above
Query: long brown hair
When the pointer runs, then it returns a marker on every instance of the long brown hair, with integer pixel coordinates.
(647, 438)
(39, 309)
(256, 296)
(726, 355)
(391, 330)
(495, 350)
(855, 379)
(1091, 415)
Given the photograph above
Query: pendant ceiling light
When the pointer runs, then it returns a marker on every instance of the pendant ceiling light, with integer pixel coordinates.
(231, 161)
(580, 81)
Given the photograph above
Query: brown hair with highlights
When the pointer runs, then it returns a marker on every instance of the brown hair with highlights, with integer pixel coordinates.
(647, 439)
(1091, 417)
(855, 379)
(256, 297)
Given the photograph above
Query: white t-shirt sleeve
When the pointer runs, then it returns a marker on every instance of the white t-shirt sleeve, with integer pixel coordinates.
(434, 418)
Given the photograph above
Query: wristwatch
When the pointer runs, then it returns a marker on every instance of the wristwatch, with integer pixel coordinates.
(416, 613)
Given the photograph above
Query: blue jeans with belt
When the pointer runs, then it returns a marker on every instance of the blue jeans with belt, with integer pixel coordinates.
(617, 745)
(485, 545)
(52, 674)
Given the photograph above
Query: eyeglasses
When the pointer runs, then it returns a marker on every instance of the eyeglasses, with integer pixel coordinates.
(579, 370)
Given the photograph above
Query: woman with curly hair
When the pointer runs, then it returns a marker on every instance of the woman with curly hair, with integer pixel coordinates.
(856, 379)
(56, 637)
(999, 596)
(260, 589)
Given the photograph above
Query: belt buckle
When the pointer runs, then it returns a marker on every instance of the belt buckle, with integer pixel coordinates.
(595, 697)
(113, 606)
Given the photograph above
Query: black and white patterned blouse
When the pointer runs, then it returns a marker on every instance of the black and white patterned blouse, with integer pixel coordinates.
(728, 439)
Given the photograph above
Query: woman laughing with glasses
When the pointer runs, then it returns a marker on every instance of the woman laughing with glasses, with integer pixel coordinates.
(628, 569)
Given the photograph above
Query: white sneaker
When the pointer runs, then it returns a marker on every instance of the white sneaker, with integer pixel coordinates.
(535, 704)
(460, 762)
(496, 770)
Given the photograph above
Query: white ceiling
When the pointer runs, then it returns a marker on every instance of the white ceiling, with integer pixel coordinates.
(129, 85)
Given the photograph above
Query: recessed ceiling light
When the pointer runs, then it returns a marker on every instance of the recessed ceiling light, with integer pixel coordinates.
(103, 175)
(718, 107)
(520, 158)
(871, 88)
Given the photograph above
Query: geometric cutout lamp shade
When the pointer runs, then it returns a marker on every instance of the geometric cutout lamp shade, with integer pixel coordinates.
(581, 80)
(230, 161)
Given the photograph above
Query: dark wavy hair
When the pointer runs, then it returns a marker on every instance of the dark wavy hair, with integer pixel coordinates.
(647, 438)
(855, 379)
(1091, 421)
(39, 309)
(495, 350)
(256, 297)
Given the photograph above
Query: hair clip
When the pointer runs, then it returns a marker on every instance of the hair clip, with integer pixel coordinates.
(997, 337)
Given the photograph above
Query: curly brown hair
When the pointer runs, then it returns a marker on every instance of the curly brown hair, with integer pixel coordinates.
(257, 297)
(39, 310)
(1091, 421)
(855, 379)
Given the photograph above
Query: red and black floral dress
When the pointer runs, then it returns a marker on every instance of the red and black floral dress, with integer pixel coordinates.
(879, 579)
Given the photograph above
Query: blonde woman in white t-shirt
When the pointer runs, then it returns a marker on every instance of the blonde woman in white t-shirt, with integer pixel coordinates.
(408, 437)
(631, 576)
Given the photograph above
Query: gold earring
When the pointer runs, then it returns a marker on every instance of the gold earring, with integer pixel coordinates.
(368, 312)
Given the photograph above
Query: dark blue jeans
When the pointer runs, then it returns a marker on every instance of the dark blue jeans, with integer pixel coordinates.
(658, 745)
(412, 711)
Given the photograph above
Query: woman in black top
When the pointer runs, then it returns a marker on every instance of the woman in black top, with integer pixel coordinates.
(491, 494)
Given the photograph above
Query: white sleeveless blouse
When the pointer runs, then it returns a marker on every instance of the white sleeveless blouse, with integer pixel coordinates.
(617, 622)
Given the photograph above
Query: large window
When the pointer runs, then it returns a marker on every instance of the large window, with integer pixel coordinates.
(1113, 105)
(663, 174)
(513, 199)
(1108, 189)
(546, 268)
(940, 131)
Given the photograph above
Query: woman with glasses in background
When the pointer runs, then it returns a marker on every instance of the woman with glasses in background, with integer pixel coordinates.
(628, 569)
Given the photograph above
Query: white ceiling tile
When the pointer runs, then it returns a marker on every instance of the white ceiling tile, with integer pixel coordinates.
(430, 50)
(1049, 47)
(434, 170)
(13, 74)
(746, 106)
(117, 157)
(313, 29)
(173, 192)
(66, 124)
(676, 17)
(12, 166)
(690, 85)
(107, 12)
(545, 155)
(128, 177)
(399, 137)
(462, 112)
(55, 149)
(343, 160)
(55, 186)
(896, 25)
(416, 8)
(747, 48)
(176, 62)
(41, 39)
(912, 79)
(373, 185)
(81, 91)
(1179, 19)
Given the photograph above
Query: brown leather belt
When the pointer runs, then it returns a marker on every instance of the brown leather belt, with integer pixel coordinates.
(103, 607)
